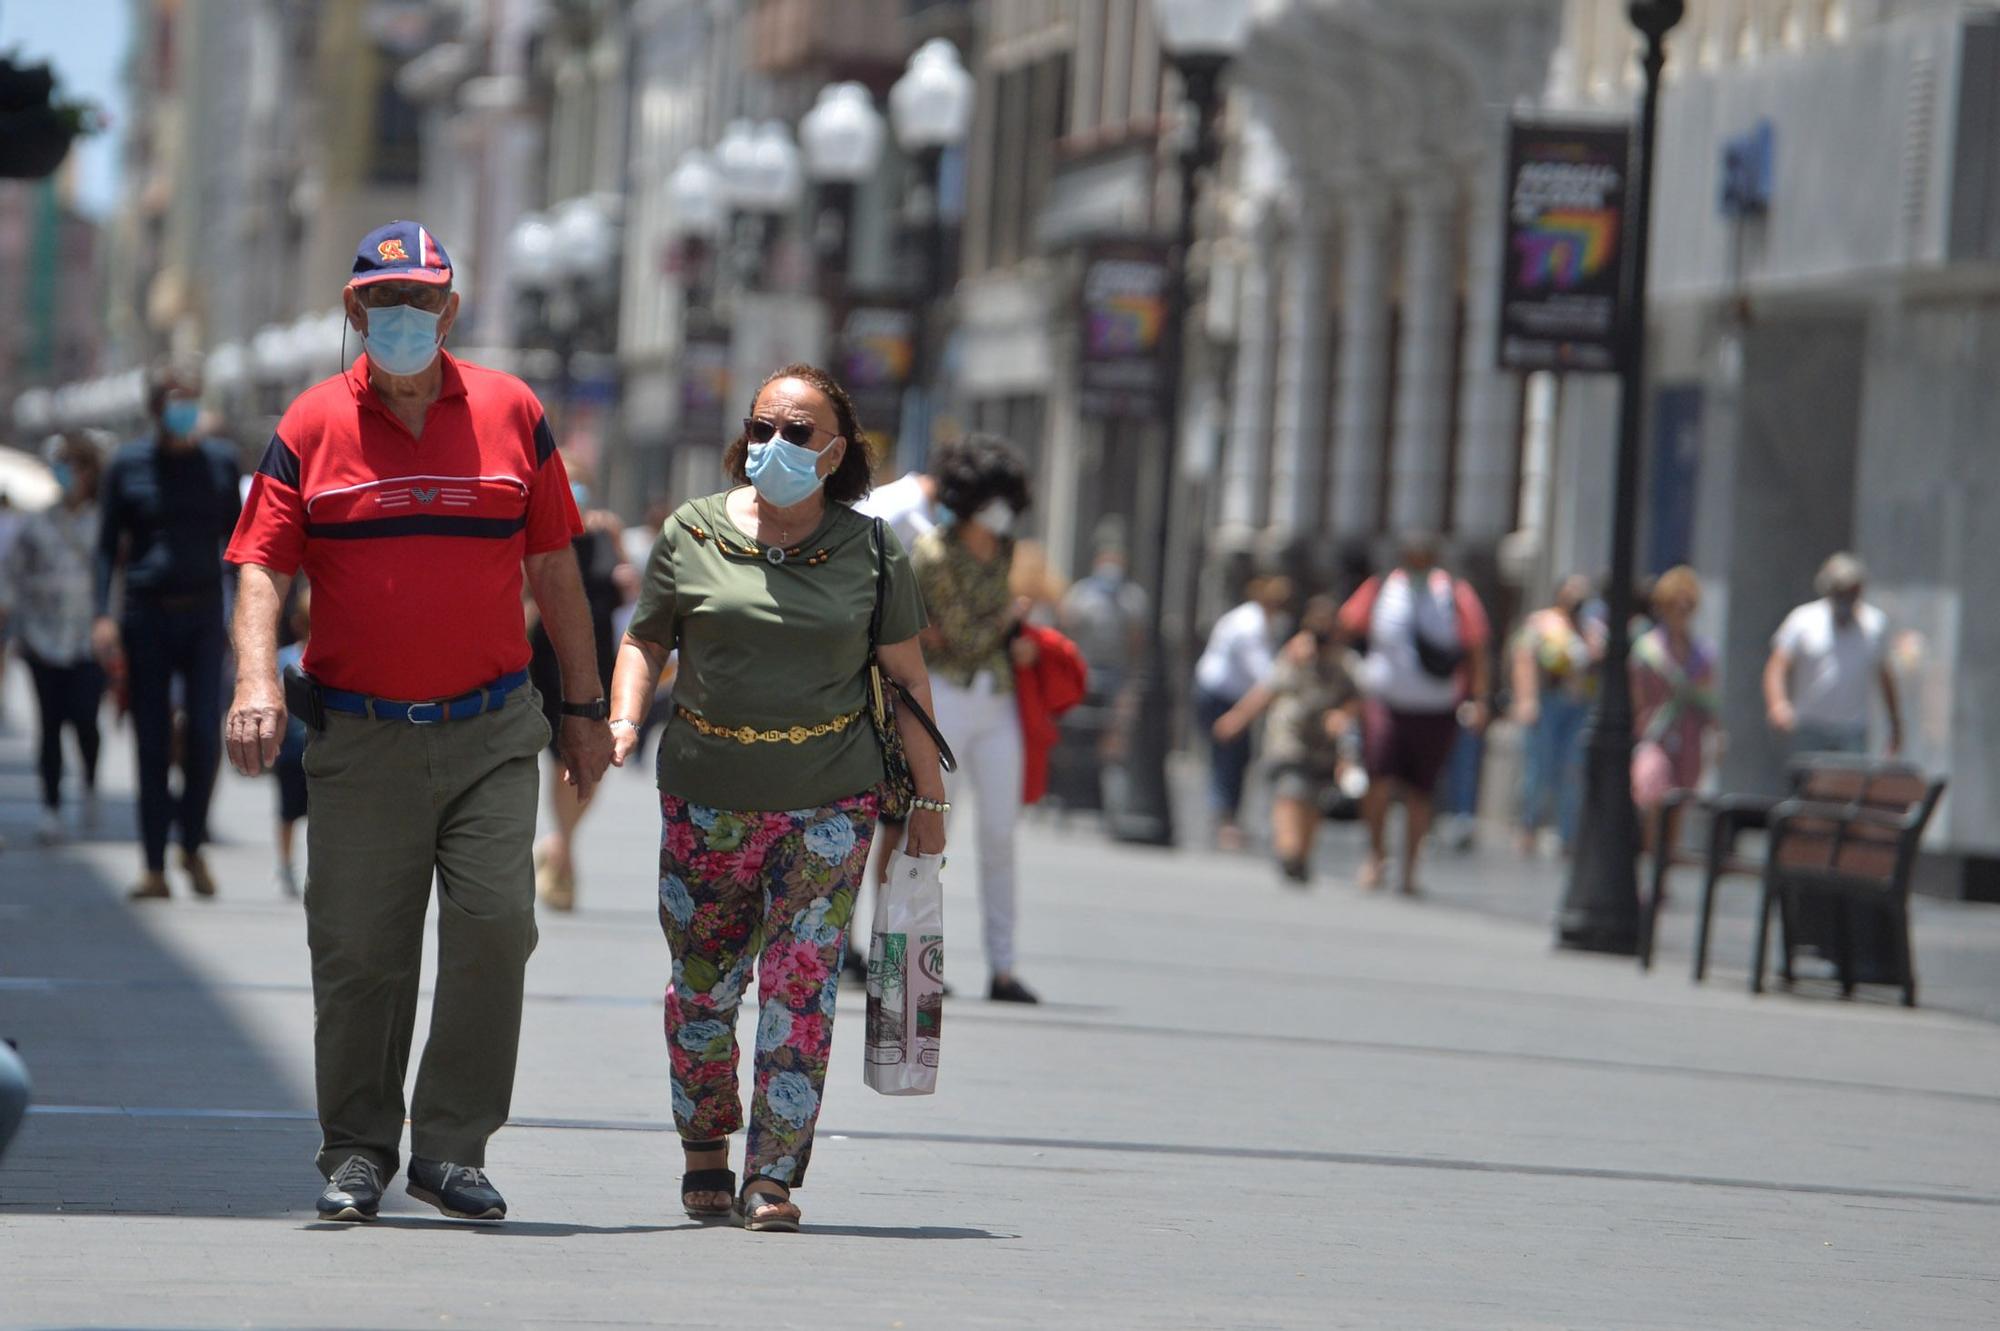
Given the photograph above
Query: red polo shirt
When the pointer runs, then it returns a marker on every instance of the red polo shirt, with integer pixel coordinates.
(413, 545)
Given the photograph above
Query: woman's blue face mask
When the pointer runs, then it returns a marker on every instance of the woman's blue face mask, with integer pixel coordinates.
(179, 417)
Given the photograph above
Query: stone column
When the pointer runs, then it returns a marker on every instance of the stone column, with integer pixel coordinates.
(1361, 387)
(1247, 446)
(1488, 398)
(1297, 461)
(1423, 361)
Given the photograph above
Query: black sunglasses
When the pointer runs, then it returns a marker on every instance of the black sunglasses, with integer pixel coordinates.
(798, 433)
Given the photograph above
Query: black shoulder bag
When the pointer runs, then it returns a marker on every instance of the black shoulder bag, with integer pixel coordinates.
(885, 694)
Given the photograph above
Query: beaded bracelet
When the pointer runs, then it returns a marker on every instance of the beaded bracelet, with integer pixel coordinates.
(934, 806)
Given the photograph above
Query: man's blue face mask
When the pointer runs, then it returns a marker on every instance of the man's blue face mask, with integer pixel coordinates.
(401, 339)
(179, 416)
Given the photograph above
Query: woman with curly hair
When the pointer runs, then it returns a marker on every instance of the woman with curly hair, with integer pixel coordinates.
(963, 566)
(769, 771)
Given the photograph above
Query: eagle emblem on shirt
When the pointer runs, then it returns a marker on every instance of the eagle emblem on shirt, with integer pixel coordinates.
(392, 249)
(422, 495)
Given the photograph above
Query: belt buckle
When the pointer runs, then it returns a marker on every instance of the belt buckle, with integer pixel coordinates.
(436, 713)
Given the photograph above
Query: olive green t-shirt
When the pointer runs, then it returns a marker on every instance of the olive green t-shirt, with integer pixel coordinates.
(770, 646)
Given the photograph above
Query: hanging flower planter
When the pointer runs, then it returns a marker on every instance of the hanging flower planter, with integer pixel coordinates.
(36, 131)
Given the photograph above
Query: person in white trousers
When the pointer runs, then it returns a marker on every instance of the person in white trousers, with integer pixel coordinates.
(972, 648)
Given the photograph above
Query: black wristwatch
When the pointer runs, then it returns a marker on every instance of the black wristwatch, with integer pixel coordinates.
(597, 709)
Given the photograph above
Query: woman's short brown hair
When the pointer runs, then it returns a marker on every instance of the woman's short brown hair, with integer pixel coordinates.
(1678, 583)
(854, 477)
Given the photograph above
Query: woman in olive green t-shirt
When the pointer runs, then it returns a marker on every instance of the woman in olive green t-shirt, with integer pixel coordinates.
(769, 770)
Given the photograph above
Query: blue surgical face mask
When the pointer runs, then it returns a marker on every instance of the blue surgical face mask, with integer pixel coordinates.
(997, 516)
(580, 493)
(784, 474)
(179, 416)
(401, 339)
(65, 477)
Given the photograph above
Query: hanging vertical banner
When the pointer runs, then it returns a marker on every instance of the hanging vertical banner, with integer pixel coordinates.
(877, 350)
(704, 418)
(1562, 274)
(1121, 346)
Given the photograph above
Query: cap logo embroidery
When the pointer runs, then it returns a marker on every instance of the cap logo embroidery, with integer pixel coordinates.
(391, 250)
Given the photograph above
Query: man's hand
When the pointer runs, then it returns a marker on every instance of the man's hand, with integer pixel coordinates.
(1023, 651)
(586, 751)
(105, 642)
(1783, 719)
(256, 725)
(926, 833)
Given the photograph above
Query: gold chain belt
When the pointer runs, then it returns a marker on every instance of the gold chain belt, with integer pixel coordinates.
(752, 735)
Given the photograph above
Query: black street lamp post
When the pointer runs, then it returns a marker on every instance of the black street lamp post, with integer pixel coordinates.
(1200, 38)
(1600, 909)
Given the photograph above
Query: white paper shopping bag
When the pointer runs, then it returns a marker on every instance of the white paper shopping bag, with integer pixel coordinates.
(906, 978)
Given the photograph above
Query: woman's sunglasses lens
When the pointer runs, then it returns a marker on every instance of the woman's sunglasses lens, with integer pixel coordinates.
(799, 433)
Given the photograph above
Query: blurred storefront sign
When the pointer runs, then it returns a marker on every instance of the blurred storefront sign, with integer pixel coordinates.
(876, 352)
(1562, 269)
(1121, 369)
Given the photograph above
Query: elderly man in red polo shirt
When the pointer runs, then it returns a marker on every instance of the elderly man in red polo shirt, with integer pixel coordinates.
(413, 491)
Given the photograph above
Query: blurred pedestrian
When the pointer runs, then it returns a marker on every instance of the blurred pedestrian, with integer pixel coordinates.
(14, 1093)
(414, 490)
(170, 501)
(1826, 659)
(1426, 634)
(46, 603)
(1105, 615)
(289, 767)
(1309, 704)
(1673, 700)
(601, 559)
(770, 774)
(972, 646)
(1241, 650)
(908, 504)
(10, 529)
(1554, 657)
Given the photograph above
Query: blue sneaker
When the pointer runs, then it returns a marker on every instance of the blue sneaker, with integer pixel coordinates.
(462, 1192)
(354, 1192)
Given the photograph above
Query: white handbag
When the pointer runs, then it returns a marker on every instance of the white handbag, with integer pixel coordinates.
(906, 978)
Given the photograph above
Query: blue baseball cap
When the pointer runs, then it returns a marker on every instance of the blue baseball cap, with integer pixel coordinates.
(400, 252)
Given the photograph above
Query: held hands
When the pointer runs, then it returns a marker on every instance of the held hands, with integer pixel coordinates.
(624, 739)
(256, 725)
(587, 748)
(105, 642)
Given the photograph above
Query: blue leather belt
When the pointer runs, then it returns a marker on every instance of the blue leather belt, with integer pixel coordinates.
(486, 698)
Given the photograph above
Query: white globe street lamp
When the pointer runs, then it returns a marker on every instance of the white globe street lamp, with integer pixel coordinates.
(531, 253)
(842, 135)
(586, 240)
(931, 105)
(1202, 27)
(697, 205)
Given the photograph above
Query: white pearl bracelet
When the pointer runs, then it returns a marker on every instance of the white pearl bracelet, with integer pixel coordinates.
(934, 806)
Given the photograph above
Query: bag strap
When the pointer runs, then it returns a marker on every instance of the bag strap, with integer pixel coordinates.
(946, 759)
(881, 584)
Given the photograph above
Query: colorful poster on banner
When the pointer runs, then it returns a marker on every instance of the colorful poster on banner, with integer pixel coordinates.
(877, 355)
(1122, 371)
(704, 418)
(1562, 269)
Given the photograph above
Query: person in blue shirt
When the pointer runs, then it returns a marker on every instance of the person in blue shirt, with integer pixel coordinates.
(290, 767)
(170, 501)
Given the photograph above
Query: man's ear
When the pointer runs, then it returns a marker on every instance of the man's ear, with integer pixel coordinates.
(449, 317)
(357, 313)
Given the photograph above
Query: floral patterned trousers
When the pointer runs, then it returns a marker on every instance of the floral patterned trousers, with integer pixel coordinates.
(775, 889)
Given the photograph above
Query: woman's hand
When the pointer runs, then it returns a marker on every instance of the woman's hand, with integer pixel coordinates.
(925, 833)
(1229, 725)
(1023, 651)
(624, 739)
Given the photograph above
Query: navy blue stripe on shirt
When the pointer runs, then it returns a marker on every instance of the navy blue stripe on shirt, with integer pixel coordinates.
(545, 440)
(280, 462)
(496, 529)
